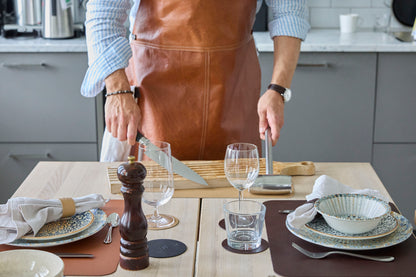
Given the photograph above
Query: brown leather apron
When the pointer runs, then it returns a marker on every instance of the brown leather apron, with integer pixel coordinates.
(197, 70)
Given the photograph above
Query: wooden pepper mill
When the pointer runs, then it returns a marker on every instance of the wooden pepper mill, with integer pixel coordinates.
(134, 253)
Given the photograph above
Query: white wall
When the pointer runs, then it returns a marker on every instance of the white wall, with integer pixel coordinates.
(325, 13)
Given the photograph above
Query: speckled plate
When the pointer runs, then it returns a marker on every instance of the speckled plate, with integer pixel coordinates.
(386, 226)
(63, 227)
(402, 233)
(99, 222)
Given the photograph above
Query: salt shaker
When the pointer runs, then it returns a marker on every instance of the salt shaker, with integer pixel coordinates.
(134, 253)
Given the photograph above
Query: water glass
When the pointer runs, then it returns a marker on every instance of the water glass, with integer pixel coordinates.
(244, 222)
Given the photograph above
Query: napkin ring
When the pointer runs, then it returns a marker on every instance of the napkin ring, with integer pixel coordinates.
(68, 207)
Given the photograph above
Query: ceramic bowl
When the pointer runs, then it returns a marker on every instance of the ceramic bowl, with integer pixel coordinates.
(30, 263)
(352, 213)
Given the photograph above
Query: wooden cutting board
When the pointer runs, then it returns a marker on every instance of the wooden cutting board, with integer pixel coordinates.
(213, 173)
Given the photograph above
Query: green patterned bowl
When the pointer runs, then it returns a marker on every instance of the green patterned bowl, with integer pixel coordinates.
(352, 213)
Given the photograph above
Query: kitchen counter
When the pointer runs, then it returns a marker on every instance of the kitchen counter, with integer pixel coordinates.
(318, 40)
(25, 44)
(331, 40)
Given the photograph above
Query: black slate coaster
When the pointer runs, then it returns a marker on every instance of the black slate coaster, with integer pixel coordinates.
(221, 223)
(165, 248)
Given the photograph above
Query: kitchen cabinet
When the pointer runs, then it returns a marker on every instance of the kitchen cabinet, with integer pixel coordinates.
(331, 114)
(43, 115)
(394, 157)
(395, 164)
(396, 98)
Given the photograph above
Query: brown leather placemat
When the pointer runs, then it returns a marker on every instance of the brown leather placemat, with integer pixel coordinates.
(287, 261)
(106, 256)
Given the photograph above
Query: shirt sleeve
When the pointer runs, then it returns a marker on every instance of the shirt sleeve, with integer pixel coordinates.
(107, 44)
(289, 18)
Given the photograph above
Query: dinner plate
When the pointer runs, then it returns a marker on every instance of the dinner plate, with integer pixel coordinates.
(63, 227)
(99, 222)
(403, 232)
(386, 226)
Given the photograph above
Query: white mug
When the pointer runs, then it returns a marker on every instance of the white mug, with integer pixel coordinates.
(348, 23)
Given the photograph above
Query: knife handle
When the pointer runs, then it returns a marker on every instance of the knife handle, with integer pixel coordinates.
(139, 136)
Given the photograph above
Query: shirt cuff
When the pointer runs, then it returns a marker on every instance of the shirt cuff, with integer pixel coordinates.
(116, 56)
(289, 26)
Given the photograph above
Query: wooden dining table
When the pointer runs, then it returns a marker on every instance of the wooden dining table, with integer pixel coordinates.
(198, 211)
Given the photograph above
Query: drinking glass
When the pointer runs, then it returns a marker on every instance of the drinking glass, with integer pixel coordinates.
(158, 183)
(244, 222)
(241, 166)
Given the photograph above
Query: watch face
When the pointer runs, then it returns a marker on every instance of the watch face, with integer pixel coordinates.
(287, 95)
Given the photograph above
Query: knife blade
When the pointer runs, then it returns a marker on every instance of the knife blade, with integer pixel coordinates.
(178, 167)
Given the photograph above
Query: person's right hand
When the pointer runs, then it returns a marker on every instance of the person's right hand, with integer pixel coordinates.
(122, 114)
(122, 117)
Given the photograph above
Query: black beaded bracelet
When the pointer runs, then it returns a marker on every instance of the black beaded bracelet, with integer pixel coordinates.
(118, 92)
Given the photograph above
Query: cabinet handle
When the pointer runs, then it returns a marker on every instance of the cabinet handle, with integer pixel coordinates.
(24, 65)
(17, 157)
(321, 65)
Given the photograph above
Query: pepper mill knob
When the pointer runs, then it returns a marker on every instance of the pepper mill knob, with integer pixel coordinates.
(134, 253)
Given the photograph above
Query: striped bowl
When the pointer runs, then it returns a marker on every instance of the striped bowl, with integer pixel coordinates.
(352, 213)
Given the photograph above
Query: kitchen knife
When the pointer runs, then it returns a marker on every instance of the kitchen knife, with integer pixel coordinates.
(74, 255)
(177, 166)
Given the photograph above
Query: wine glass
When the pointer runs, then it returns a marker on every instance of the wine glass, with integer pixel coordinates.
(241, 165)
(158, 183)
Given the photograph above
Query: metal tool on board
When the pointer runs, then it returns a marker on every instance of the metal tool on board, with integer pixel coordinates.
(269, 183)
(178, 167)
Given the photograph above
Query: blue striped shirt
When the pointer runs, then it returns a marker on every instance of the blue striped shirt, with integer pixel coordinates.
(109, 48)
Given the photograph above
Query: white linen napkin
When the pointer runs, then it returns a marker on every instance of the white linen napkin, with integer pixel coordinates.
(21, 215)
(113, 150)
(324, 186)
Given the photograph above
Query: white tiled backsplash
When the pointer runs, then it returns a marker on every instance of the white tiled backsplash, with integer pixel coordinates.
(325, 13)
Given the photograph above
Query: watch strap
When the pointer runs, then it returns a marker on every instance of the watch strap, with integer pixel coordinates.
(277, 88)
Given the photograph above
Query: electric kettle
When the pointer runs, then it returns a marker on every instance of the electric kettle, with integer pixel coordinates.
(57, 20)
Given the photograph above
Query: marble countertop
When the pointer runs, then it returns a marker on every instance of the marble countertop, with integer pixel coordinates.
(331, 40)
(25, 44)
(318, 40)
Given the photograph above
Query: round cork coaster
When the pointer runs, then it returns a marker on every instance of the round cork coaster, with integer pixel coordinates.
(263, 246)
(173, 224)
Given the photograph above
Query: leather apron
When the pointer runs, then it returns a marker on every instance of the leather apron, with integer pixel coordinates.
(196, 66)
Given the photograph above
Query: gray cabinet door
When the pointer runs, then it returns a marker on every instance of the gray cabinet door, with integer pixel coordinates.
(330, 117)
(396, 98)
(17, 160)
(395, 164)
(40, 98)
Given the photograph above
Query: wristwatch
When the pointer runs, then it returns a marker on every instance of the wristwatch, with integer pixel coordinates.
(286, 93)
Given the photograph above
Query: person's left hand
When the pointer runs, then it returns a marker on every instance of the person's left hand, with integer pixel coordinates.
(271, 113)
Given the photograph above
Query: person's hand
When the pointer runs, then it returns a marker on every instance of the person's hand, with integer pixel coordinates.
(122, 114)
(271, 113)
(122, 117)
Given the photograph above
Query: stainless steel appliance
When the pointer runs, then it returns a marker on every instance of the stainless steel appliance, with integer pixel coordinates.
(57, 22)
(78, 11)
(28, 12)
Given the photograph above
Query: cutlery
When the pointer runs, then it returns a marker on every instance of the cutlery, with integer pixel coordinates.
(320, 255)
(74, 255)
(114, 220)
(285, 211)
(177, 166)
